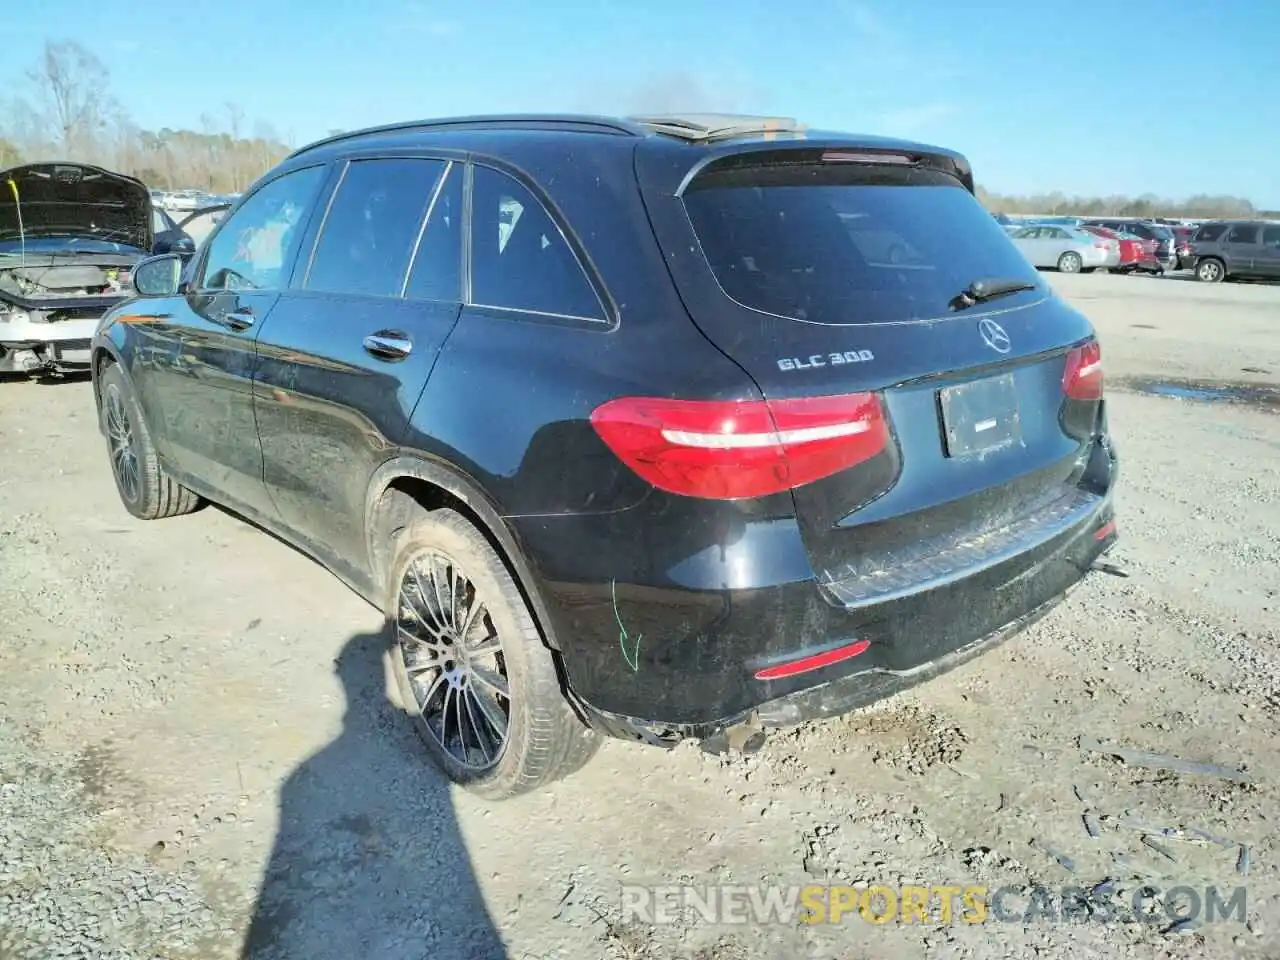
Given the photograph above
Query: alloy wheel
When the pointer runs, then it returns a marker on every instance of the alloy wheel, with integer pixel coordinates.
(454, 661)
(120, 442)
(1209, 271)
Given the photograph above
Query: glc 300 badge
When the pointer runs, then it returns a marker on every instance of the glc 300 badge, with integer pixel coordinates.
(825, 360)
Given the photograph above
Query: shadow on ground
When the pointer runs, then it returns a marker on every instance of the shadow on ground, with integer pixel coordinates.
(368, 860)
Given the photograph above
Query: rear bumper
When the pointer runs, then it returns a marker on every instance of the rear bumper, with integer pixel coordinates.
(919, 639)
(661, 663)
(1145, 265)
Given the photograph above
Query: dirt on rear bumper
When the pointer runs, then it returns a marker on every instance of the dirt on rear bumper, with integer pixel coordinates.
(951, 626)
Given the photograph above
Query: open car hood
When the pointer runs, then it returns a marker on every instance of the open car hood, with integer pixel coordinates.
(74, 200)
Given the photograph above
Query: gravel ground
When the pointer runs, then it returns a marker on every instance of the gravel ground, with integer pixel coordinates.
(200, 750)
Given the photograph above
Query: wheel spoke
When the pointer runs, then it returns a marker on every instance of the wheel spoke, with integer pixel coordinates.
(427, 697)
(435, 586)
(432, 625)
(486, 645)
(482, 739)
(417, 645)
(438, 626)
(444, 717)
(494, 681)
(476, 608)
(409, 613)
(491, 712)
(459, 707)
(455, 581)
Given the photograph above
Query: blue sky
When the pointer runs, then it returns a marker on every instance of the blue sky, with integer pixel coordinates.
(1088, 98)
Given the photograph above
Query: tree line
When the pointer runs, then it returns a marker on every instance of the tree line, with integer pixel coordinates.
(70, 113)
(1199, 207)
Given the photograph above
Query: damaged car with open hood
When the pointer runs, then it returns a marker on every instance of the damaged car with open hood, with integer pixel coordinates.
(70, 235)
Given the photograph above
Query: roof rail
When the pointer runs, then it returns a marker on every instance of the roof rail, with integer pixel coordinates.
(580, 122)
(715, 126)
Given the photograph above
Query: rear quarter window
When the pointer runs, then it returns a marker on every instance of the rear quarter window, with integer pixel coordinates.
(844, 243)
(1210, 232)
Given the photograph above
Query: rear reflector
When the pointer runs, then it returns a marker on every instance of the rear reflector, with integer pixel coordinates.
(1082, 378)
(816, 661)
(733, 449)
(1106, 530)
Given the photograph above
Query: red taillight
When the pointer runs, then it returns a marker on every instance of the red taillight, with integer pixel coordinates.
(726, 450)
(1082, 379)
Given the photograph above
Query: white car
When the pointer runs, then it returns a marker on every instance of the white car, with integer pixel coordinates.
(1068, 249)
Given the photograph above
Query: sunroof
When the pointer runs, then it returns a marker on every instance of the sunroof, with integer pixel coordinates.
(713, 126)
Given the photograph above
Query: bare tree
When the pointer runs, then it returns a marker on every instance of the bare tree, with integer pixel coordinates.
(72, 85)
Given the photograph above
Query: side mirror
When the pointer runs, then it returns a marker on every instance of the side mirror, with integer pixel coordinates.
(158, 276)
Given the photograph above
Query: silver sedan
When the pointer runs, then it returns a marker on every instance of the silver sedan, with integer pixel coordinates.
(1066, 248)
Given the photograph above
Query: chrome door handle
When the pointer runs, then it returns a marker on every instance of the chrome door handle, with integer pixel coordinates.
(388, 345)
(239, 319)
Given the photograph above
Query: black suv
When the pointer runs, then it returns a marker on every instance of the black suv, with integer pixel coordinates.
(1236, 248)
(658, 428)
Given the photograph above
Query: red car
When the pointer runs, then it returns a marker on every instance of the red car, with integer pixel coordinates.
(1136, 254)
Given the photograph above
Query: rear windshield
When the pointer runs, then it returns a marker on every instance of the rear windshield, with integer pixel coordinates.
(844, 243)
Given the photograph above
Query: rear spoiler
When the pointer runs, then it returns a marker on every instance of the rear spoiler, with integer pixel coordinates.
(839, 150)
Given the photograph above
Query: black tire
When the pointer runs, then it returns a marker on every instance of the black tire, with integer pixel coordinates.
(545, 739)
(1210, 270)
(152, 494)
(1070, 262)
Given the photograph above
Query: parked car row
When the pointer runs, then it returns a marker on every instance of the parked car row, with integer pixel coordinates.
(188, 201)
(1093, 245)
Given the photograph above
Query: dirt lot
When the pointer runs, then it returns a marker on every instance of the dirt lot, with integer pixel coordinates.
(199, 743)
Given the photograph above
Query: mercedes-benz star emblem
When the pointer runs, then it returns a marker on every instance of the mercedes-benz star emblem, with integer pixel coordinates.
(993, 335)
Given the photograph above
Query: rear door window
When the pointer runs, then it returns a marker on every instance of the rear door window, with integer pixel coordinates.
(436, 273)
(846, 243)
(520, 259)
(1243, 233)
(371, 226)
(1271, 237)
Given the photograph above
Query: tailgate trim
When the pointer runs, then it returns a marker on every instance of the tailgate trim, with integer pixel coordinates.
(932, 564)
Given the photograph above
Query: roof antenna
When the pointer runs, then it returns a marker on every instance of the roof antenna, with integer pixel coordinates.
(22, 233)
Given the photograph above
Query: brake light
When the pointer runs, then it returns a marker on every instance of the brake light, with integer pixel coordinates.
(727, 450)
(848, 156)
(1082, 379)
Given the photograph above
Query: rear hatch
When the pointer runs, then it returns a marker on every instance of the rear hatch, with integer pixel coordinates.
(835, 272)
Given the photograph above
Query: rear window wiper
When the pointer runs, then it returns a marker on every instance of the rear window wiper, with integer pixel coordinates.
(989, 288)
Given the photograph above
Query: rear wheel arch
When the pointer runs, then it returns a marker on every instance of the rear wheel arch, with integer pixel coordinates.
(400, 489)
